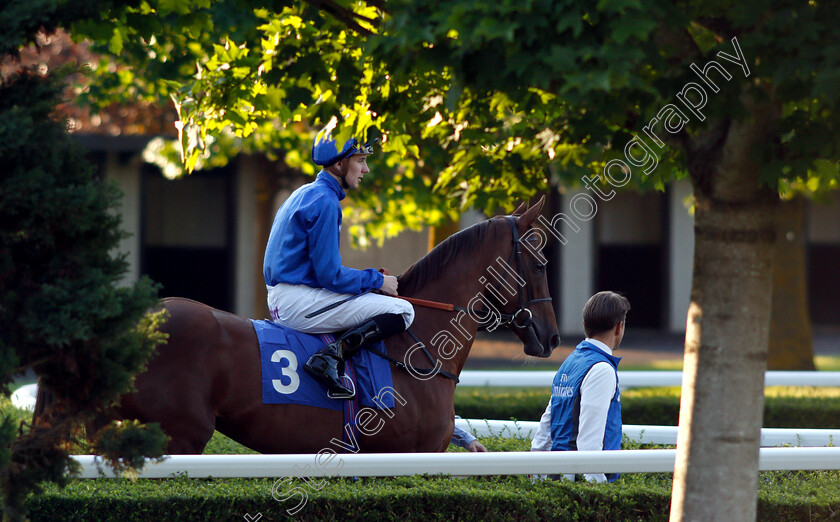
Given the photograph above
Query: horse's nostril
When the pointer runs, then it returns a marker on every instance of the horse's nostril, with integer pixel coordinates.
(555, 341)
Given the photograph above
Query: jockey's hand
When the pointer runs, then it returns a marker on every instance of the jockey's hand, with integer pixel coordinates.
(389, 285)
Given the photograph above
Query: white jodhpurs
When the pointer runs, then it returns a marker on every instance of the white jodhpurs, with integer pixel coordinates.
(289, 305)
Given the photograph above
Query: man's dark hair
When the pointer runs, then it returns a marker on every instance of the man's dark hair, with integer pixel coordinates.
(603, 312)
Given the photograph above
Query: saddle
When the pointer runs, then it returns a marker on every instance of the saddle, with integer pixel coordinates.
(283, 352)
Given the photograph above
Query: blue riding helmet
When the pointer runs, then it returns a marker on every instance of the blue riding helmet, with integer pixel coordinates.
(325, 150)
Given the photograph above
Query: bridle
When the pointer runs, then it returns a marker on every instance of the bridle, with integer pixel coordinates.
(517, 319)
(524, 299)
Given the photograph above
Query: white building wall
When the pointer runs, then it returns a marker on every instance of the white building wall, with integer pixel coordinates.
(629, 218)
(680, 255)
(396, 254)
(577, 259)
(247, 268)
(127, 176)
(823, 224)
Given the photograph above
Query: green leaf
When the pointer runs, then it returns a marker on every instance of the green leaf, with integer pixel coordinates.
(115, 44)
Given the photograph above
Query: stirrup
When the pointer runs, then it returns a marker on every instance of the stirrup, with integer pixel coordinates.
(343, 396)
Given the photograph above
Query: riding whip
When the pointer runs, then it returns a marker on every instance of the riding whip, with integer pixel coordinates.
(333, 305)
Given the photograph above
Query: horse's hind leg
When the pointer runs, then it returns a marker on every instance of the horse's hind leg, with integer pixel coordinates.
(191, 443)
(189, 428)
(189, 431)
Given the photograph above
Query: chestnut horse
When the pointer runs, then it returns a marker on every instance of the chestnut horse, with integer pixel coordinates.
(207, 377)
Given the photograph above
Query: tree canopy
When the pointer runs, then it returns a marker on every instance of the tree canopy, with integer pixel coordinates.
(480, 102)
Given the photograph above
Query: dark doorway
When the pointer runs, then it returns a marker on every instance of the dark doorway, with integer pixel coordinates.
(824, 283)
(635, 271)
(823, 259)
(630, 255)
(186, 235)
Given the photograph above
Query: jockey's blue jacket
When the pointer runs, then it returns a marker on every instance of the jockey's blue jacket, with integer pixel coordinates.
(303, 247)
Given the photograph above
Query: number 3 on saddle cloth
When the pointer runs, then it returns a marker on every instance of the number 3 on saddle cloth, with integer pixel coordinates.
(282, 354)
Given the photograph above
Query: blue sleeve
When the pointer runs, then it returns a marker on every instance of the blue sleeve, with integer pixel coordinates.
(324, 241)
(461, 438)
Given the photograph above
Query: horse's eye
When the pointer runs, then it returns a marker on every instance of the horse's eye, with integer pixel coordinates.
(540, 267)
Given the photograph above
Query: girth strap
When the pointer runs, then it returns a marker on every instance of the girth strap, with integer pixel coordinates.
(425, 372)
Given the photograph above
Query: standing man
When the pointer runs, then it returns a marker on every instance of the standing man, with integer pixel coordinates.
(303, 270)
(584, 412)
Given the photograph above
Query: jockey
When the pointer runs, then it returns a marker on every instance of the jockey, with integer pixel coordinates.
(303, 270)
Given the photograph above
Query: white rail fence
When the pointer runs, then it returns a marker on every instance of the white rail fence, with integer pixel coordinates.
(808, 455)
(402, 464)
(637, 379)
(649, 434)
(24, 397)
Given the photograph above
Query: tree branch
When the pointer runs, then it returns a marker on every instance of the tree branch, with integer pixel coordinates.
(346, 16)
(680, 43)
(703, 153)
(720, 26)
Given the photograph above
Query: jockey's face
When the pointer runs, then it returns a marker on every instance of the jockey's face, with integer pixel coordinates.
(356, 169)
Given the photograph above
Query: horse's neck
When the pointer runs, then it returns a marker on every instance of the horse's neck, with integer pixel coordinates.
(449, 336)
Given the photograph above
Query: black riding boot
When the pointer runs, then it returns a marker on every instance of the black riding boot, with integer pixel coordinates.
(327, 364)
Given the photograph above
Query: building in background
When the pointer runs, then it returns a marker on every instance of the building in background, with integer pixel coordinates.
(204, 236)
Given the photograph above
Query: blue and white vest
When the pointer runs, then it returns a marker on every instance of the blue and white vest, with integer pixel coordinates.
(565, 399)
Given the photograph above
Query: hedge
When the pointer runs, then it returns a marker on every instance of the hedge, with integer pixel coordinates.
(784, 407)
(782, 496)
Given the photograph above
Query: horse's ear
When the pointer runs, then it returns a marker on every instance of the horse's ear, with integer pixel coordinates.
(531, 214)
(520, 209)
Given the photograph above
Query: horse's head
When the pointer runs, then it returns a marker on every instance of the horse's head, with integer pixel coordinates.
(530, 313)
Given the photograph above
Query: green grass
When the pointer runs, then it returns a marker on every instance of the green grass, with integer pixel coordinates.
(661, 365)
(802, 392)
(825, 363)
(222, 445)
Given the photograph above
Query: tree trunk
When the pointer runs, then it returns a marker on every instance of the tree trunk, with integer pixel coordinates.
(716, 471)
(790, 325)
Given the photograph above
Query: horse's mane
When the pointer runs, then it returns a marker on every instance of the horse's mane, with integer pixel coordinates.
(459, 244)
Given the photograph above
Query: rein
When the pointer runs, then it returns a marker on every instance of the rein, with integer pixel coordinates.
(426, 373)
(506, 319)
(431, 304)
